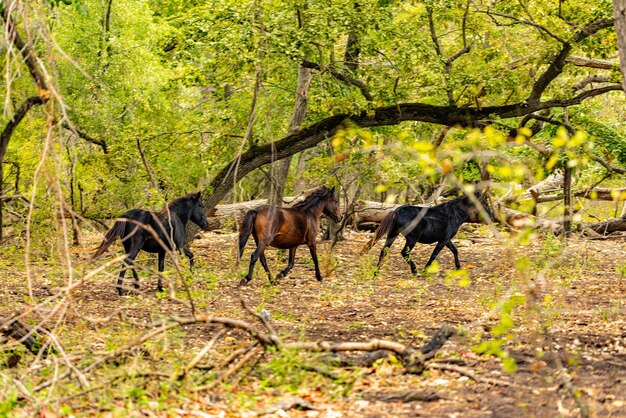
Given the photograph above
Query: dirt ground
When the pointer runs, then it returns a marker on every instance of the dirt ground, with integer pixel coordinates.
(568, 338)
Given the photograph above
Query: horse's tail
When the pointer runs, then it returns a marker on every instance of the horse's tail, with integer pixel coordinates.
(382, 229)
(109, 238)
(244, 233)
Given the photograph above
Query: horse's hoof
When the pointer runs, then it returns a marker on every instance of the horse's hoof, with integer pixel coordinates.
(243, 282)
(160, 289)
(136, 285)
(319, 279)
(120, 292)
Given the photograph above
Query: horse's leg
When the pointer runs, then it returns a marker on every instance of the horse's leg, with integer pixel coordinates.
(262, 258)
(313, 250)
(406, 254)
(265, 267)
(390, 239)
(161, 268)
(128, 261)
(136, 276)
(435, 253)
(455, 252)
(253, 259)
(292, 260)
(189, 255)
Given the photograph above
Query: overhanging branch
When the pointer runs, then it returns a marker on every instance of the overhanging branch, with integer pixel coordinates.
(341, 77)
(86, 137)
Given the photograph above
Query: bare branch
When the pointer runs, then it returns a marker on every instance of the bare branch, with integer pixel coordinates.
(516, 21)
(607, 166)
(20, 113)
(82, 135)
(28, 54)
(591, 62)
(570, 129)
(558, 62)
(596, 78)
(341, 77)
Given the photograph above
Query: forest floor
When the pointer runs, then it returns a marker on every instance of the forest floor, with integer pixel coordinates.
(567, 335)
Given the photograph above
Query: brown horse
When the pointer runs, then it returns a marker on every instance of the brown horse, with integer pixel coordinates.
(286, 228)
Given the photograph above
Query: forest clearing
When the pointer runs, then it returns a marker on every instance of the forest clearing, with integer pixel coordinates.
(579, 289)
(200, 200)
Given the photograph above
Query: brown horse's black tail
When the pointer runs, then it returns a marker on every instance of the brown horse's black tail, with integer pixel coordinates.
(244, 233)
(109, 238)
(382, 229)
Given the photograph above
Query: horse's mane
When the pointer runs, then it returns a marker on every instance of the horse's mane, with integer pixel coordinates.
(454, 203)
(179, 202)
(313, 199)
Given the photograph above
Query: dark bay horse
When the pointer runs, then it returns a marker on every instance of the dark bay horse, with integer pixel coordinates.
(428, 225)
(287, 228)
(154, 232)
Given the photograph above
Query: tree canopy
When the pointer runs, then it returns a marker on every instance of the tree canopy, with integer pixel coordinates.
(153, 99)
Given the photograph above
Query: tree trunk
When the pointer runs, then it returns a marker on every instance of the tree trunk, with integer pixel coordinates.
(568, 211)
(280, 170)
(1, 199)
(619, 18)
(300, 183)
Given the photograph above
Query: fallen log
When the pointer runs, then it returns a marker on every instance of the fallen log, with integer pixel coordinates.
(413, 360)
(599, 193)
(229, 216)
(607, 227)
(17, 330)
(368, 215)
(366, 211)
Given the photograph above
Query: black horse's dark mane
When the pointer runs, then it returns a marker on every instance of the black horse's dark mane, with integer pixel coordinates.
(314, 199)
(180, 202)
(455, 203)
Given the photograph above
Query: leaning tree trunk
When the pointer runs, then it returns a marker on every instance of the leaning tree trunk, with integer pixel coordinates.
(280, 170)
(30, 58)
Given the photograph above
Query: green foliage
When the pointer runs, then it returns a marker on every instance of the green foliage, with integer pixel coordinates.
(502, 333)
(175, 81)
(8, 402)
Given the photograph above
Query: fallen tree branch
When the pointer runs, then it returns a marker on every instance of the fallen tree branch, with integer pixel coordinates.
(469, 373)
(413, 361)
(241, 363)
(16, 329)
(606, 228)
(404, 396)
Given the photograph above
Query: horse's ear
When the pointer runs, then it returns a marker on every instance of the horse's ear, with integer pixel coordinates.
(197, 196)
(332, 190)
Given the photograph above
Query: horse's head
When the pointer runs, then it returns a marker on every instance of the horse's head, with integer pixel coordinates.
(475, 213)
(197, 214)
(331, 206)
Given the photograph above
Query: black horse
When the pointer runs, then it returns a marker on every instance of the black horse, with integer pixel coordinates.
(428, 225)
(155, 232)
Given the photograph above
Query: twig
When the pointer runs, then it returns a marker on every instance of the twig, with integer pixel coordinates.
(264, 320)
(469, 373)
(192, 364)
(253, 351)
